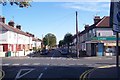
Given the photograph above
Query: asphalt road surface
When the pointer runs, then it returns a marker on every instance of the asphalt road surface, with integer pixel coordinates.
(51, 66)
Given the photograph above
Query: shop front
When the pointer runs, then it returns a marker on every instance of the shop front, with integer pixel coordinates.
(102, 46)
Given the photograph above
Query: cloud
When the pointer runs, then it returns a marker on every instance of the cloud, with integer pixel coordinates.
(88, 6)
(71, 0)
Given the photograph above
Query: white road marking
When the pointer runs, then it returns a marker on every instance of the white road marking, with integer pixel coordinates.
(48, 64)
(36, 64)
(16, 64)
(52, 56)
(45, 68)
(26, 64)
(40, 76)
(69, 59)
(5, 64)
(74, 59)
(18, 74)
(63, 58)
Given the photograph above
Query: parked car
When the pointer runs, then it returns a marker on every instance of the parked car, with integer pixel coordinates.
(44, 52)
(64, 52)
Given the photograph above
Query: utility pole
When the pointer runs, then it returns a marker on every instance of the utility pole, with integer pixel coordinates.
(48, 41)
(77, 37)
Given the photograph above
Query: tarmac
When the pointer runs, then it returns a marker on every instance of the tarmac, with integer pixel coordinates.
(102, 73)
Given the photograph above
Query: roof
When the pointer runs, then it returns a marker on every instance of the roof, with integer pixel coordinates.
(10, 28)
(104, 22)
(36, 39)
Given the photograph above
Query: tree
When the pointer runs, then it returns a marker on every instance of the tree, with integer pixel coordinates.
(68, 38)
(61, 43)
(20, 4)
(50, 40)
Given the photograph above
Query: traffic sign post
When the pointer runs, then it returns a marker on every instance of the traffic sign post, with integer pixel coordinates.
(115, 23)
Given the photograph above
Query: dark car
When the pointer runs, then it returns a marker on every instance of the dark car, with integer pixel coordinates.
(44, 52)
(64, 51)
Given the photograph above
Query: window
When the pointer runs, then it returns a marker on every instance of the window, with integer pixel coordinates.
(94, 32)
(98, 34)
(110, 49)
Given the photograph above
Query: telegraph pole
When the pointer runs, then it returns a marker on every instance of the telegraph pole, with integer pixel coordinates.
(77, 37)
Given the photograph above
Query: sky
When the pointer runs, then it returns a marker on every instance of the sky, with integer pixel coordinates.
(57, 18)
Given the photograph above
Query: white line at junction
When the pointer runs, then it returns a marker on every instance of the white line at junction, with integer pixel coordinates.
(40, 76)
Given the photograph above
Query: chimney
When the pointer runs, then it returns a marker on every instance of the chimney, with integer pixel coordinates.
(18, 27)
(2, 19)
(96, 19)
(86, 26)
(33, 35)
(11, 23)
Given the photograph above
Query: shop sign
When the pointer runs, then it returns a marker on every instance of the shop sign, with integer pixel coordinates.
(104, 38)
(110, 44)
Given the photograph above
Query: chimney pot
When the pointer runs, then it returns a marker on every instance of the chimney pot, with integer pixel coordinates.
(96, 19)
(11, 23)
(2, 19)
(86, 26)
(18, 27)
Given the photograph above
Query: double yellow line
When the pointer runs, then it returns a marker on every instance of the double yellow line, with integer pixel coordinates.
(85, 74)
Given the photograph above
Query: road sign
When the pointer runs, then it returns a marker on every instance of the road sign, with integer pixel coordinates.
(115, 16)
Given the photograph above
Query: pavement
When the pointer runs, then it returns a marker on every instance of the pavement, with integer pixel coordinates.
(102, 73)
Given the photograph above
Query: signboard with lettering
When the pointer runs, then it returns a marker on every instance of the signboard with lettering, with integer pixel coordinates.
(115, 16)
(105, 38)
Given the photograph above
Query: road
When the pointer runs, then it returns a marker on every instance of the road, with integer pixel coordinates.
(54, 65)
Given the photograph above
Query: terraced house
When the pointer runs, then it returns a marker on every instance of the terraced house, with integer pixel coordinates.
(98, 39)
(14, 41)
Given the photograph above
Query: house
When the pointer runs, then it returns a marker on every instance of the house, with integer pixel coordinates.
(14, 40)
(36, 43)
(98, 39)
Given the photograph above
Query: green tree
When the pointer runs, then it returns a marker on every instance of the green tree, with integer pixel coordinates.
(68, 38)
(50, 40)
(20, 4)
(61, 43)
